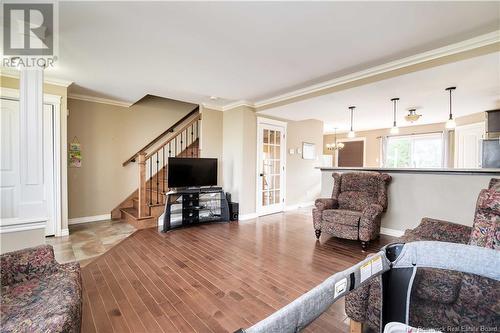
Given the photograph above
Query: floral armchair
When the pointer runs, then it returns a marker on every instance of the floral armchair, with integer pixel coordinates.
(444, 299)
(355, 208)
(38, 294)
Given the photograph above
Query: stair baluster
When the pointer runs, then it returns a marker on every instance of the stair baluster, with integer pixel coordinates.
(181, 143)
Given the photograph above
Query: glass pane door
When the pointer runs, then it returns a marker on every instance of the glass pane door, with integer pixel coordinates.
(271, 168)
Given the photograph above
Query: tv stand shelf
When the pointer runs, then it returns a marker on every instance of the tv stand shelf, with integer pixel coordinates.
(193, 206)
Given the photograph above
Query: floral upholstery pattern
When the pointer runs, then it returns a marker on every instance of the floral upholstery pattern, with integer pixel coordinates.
(477, 305)
(440, 298)
(19, 266)
(494, 184)
(38, 294)
(346, 217)
(486, 230)
(355, 209)
(438, 230)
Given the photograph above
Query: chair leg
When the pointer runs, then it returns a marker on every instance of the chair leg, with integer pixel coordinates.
(364, 245)
(318, 233)
(355, 327)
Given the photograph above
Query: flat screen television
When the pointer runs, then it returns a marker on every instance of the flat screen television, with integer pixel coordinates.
(191, 172)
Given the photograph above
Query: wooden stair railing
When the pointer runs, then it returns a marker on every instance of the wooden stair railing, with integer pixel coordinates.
(153, 165)
(171, 129)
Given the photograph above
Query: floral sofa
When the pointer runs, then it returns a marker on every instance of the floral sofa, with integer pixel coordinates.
(440, 299)
(38, 294)
(354, 211)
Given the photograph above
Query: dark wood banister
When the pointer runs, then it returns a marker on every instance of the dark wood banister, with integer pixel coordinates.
(169, 130)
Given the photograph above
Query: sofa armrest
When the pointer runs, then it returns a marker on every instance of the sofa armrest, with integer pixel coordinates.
(26, 264)
(326, 203)
(438, 230)
(369, 223)
(372, 211)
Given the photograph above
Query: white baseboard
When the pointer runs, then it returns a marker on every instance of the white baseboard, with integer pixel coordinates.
(87, 219)
(391, 232)
(250, 216)
(299, 205)
(22, 224)
(65, 232)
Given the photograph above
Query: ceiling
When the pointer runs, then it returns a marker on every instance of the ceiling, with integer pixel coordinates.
(246, 50)
(478, 89)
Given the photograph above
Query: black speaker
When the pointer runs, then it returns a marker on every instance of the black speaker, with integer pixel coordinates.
(233, 211)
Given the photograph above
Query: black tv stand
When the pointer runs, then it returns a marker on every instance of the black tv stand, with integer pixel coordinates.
(195, 205)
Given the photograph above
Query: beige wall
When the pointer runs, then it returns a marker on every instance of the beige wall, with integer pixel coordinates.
(239, 156)
(13, 241)
(303, 181)
(211, 137)
(373, 137)
(109, 135)
(240, 159)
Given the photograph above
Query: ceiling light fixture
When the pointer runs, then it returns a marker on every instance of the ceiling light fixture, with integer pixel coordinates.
(395, 129)
(412, 115)
(351, 133)
(450, 123)
(335, 145)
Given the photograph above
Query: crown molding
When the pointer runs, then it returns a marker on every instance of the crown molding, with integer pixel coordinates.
(88, 98)
(228, 106)
(463, 46)
(9, 72)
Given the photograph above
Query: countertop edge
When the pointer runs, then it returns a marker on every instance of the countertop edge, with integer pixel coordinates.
(429, 171)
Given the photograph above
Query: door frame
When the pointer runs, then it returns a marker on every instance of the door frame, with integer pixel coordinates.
(351, 140)
(456, 139)
(55, 102)
(262, 121)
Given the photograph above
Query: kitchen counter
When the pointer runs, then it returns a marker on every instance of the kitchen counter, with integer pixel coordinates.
(416, 170)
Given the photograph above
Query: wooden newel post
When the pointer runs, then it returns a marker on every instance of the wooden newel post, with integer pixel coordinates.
(142, 184)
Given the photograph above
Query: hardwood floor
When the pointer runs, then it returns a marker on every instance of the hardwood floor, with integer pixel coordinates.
(214, 278)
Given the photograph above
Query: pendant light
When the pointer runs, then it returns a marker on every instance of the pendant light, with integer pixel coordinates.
(450, 123)
(335, 145)
(351, 133)
(412, 116)
(394, 128)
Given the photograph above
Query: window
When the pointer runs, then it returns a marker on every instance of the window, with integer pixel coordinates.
(414, 151)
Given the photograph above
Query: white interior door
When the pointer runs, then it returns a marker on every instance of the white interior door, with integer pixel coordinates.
(271, 146)
(9, 162)
(468, 145)
(10, 181)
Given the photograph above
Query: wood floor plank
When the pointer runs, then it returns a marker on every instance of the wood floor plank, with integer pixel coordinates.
(214, 278)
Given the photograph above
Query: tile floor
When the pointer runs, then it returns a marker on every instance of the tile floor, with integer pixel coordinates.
(88, 240)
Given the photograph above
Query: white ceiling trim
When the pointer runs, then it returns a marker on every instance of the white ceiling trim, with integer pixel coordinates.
(229, 106)
(466, 45)
(9, 72)
(99, 100)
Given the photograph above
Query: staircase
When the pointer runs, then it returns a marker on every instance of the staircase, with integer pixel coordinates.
(143, 207)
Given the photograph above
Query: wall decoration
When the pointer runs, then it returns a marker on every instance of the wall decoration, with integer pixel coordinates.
(308, 151)
(75, 154)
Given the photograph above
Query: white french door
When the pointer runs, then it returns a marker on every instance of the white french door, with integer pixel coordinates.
(271, 154)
